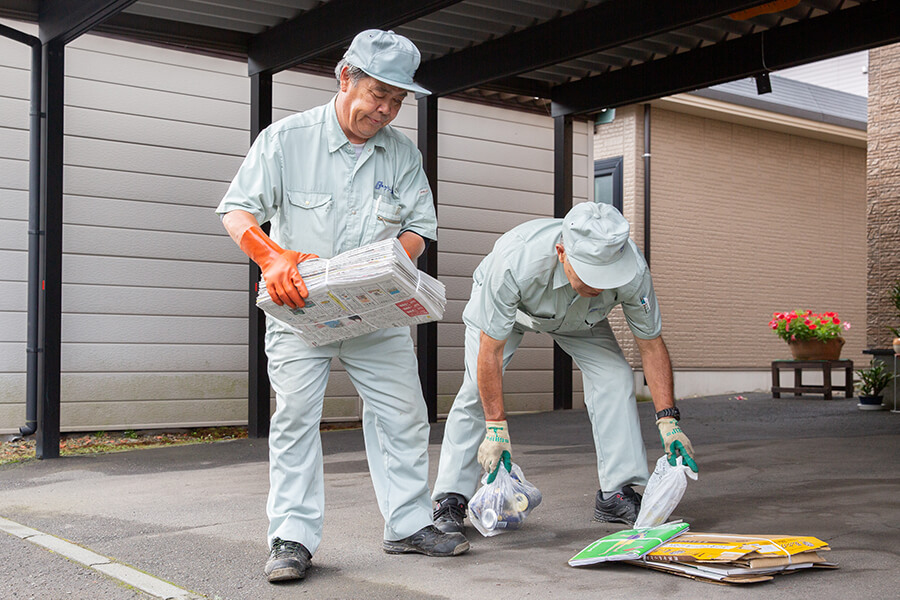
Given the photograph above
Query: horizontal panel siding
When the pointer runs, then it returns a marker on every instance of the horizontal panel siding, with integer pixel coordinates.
(146, 187)
(170, 106)
(137, 215)
(144, 329)
(170, 162)
(143, 272)
(137, 358)
(154, 244)
(154, 131)
(14, 206)
(14, 172)
(12, 141)
(13, 265)
(137, 414)
(154, 301)
(154, 294)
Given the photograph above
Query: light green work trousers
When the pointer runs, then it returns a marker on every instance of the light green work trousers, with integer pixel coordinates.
(382, 366)
(608, 397)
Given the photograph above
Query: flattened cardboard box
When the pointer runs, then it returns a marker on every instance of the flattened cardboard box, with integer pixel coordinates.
(726, 547)
(735, 559)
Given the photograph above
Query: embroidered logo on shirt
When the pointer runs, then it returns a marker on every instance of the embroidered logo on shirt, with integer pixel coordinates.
(383, 186)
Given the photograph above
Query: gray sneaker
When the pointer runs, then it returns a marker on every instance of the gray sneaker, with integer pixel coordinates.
(429, 541)
(287, 560)
(450, 513)
(621, 508)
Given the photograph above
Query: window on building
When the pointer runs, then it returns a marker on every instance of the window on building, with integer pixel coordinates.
(608, 181)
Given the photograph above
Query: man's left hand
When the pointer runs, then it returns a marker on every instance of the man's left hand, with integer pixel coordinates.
(675, 443)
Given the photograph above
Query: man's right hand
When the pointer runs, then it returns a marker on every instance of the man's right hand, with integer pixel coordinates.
(279, 267)
(675, 443)
(492, 449)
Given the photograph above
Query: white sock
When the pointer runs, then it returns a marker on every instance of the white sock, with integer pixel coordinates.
(608, 495)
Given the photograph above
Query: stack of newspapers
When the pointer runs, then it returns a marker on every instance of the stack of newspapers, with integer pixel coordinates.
(372, 287)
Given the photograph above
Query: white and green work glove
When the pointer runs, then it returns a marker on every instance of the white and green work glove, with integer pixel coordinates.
(675, 443)
(495, 449)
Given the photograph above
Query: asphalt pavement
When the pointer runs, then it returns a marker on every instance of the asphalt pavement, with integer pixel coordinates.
(189, 521)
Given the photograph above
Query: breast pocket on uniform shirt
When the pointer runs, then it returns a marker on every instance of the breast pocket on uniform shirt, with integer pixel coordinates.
(388, 217)
(311, 211)
(596, 315)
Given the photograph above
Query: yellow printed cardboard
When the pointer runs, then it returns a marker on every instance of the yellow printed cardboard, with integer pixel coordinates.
(730, 547)
(779, 545)
(681, 549)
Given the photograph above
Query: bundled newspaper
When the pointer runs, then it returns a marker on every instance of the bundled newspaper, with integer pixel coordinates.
(372, 287)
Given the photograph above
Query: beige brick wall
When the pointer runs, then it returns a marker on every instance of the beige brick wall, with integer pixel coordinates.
(883, 198)
(745, 222)
(624, 137)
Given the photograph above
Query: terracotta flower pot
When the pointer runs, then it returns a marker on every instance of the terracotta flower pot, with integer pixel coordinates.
(816, 349)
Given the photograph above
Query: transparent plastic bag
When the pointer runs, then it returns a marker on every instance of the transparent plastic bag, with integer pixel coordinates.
(663, 492)
(503, 504)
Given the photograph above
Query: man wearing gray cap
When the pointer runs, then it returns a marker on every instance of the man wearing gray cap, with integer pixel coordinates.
(331, 179)
(561, 277)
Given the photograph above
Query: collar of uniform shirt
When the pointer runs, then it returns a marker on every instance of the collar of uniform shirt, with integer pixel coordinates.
(559, 276)
(337, 139)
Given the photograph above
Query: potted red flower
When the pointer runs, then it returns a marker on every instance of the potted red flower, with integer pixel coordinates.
(810, 336)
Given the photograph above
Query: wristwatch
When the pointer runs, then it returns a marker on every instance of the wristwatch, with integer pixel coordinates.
(669, 412)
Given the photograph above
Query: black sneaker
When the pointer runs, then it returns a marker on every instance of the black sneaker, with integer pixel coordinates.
(429, 541)
(621, 508)
(450, 513)
(287, 560)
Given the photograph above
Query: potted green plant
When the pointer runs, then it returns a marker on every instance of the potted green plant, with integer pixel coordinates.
(895, 300)
(810, 336)
(871, 383)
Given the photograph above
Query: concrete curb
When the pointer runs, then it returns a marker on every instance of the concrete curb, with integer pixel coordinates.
(102, 564)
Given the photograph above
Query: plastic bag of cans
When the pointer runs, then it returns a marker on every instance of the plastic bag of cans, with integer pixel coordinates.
(503, 504)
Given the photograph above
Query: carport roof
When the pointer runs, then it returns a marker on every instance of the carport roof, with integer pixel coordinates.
(573, 57)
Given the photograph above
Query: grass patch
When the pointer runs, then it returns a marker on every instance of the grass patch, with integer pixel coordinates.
(102, 442)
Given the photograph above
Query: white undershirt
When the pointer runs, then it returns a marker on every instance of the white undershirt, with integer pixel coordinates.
(358, 148)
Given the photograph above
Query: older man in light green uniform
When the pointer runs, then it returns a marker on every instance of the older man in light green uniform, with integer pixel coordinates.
(331, 179)
(561, 277)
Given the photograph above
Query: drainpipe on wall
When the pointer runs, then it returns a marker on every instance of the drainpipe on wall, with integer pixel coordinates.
(34, 226)
(647, 183)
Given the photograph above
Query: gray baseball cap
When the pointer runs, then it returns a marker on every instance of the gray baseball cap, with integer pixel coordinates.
(595, 237)
(386, 56)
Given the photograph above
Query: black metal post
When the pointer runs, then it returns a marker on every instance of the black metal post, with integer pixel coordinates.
(427, 334)
(32, 347)
(258, 387)
(647, 183)
(562, 202)
(50, 314)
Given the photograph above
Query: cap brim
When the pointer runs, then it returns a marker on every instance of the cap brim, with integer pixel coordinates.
(411, 87)
(610, 276)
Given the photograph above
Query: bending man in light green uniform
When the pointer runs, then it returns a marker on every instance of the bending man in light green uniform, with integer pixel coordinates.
(561, 277)
(331, 179)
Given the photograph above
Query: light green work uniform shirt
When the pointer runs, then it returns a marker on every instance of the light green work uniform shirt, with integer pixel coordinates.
(522, 284)
(303, 175)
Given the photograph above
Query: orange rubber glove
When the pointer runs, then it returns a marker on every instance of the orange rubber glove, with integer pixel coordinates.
(279, 267)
